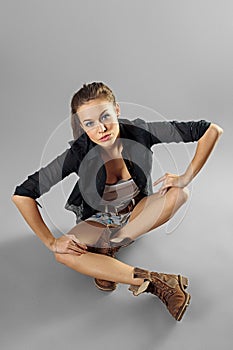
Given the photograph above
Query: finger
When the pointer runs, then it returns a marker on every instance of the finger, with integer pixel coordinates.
(81, 245)
(166, 185)
(162, 178)
(163, 192)
(77, 241)
(164, 189)
(75, 252)
(82, 251)
(72, 238)
(75, 248)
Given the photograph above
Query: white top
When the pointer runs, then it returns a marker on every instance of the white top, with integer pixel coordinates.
(119, 194)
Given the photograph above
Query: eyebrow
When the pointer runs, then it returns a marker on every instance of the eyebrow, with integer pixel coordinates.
(100, 115)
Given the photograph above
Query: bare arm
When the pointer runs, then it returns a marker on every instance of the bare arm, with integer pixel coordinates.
(65, 244)
(36, 185)
(204, 147)
(28, 208)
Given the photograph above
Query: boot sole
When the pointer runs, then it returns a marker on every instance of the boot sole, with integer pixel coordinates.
(104, 289)
(183, 282)
(184, 307)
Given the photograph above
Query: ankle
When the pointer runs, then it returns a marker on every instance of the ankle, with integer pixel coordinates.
(137, 281)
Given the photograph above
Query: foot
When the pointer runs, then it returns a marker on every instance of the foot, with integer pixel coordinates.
(102, 246)
(109, 247)
(170, 289)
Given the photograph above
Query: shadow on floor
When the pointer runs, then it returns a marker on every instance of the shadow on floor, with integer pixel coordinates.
(36, 291)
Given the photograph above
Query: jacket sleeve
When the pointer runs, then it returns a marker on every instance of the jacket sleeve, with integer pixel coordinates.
(43, 179)
(176, 131)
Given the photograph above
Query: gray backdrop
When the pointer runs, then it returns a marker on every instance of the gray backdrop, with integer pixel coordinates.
(172, 58)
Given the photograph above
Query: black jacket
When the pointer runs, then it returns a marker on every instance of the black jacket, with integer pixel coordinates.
(83, 158)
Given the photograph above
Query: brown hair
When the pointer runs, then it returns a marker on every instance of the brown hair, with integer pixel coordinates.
(88, 92)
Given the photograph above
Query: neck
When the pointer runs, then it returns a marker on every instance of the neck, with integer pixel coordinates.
(113, 152)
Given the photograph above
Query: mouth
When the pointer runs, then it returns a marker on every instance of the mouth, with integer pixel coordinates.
(105, 138)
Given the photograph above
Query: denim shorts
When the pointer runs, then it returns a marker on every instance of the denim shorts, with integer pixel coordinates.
(109, 218)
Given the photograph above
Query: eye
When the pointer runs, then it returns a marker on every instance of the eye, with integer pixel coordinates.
(88, 124)
(106, 116)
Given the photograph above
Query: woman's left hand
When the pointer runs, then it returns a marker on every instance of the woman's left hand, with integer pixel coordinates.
(171, 180)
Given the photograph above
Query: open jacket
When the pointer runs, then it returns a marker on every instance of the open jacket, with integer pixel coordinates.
(83, 158)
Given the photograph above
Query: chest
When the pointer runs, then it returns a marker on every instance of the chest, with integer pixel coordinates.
(116, 170)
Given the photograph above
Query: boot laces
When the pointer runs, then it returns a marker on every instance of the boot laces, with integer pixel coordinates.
(161, 290)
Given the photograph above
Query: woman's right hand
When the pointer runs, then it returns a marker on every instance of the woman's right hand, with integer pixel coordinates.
(69, 244)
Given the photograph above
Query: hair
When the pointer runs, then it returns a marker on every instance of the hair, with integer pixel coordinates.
(86, 93)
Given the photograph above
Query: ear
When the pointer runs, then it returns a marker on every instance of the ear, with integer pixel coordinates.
(118, 110)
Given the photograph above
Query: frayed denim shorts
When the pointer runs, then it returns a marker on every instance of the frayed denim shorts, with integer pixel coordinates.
(109, 218)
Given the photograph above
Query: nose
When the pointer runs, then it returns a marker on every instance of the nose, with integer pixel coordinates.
(102, 127)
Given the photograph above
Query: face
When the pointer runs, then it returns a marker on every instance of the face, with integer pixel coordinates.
(99, 119)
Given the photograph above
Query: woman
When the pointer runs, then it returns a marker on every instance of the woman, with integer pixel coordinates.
(113, 199)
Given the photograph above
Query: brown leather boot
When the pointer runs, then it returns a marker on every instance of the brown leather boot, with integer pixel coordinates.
(168, 287)
(106, 247)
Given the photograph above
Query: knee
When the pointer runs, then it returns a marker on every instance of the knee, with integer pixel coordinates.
(184, 194)
(181, 194)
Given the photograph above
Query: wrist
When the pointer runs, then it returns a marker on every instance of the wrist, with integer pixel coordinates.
(52, 245)
(187, 178)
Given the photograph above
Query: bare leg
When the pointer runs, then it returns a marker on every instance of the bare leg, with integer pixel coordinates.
(148, 214)
(96, 265)
(153, 211)
(87, 231)
(101, 267)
